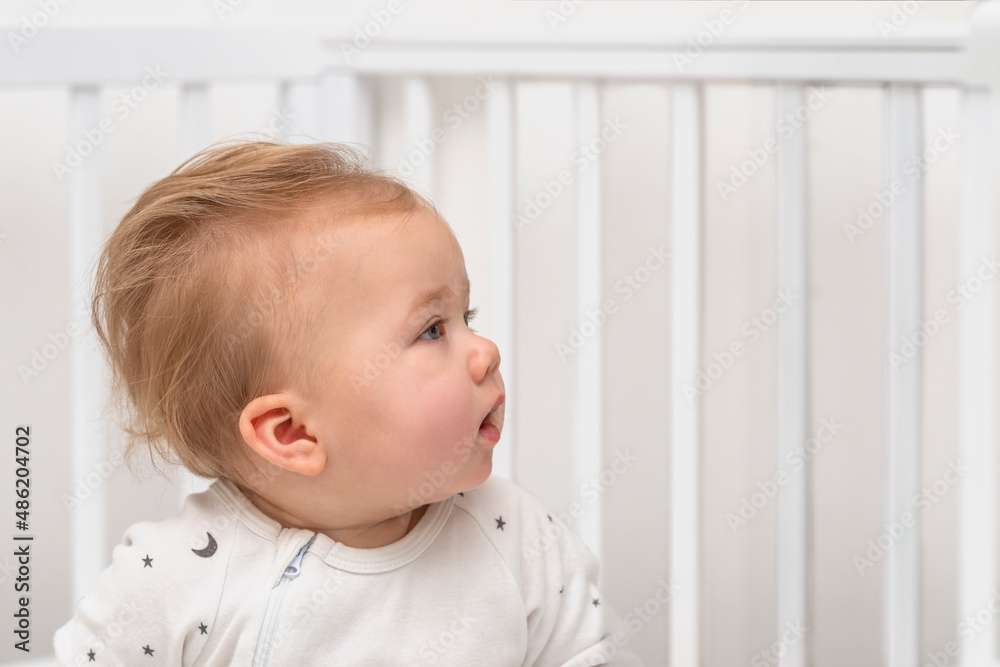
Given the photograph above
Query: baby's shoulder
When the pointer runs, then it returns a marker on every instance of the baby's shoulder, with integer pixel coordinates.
(197, 534)
(188, 549)
(497, 496)
(507, 514)
(162, 587)
(539, 548)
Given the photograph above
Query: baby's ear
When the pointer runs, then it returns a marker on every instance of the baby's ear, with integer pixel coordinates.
(272, 425)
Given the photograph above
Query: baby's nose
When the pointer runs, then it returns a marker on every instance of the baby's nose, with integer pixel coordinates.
(485, 360)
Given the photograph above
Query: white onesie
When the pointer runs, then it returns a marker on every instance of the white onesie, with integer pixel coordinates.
(484, 578)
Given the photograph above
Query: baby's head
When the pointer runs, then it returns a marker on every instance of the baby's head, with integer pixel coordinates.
(293, 320)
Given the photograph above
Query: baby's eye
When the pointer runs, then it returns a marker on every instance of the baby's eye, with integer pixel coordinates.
(436, 326)
(436, 329)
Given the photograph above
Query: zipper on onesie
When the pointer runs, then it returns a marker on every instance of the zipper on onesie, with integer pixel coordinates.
(262, 654)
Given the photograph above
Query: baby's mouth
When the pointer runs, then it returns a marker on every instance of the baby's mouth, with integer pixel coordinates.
(489, 431)
(488, 428)
(487, 421)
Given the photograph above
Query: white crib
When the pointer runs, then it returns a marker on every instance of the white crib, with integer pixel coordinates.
(708, 439)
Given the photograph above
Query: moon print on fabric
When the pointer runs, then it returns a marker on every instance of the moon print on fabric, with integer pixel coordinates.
(208, 551)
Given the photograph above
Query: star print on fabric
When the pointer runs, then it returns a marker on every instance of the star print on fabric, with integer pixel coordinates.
(147, 650)
(148, 561)
(203, 628)
(596, 602)
(90, 654)
(562, 589)
(550, 516)
(461, 494)
(500, 522)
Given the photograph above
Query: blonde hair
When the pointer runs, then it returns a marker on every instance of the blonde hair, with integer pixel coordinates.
(190, 291)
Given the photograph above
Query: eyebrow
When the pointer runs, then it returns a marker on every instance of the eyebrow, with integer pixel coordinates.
(432, 296)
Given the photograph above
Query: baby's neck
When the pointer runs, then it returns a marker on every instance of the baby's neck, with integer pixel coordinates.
(379, 534)
(368, 536)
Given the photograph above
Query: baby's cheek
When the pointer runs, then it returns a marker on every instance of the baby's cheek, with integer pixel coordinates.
(439, 429)
(445, 427)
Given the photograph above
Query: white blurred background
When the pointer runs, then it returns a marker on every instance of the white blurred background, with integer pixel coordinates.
(567, 72)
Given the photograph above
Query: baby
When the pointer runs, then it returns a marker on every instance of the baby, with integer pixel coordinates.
(294, 324)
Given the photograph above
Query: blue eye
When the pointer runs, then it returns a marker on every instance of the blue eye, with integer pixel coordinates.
(436, 325)
(469, 316)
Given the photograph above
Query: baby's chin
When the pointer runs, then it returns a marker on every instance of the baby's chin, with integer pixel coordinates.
(481, 478)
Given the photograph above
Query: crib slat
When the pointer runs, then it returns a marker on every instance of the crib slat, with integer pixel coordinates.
(87, 446)
(685, 354)
(194, 118)
(418, 110)
(793, 501)
(587, 453)
(977, 382)
(300, 103)
(904, 248)
(848, 59)
(345, 109)
(499, 117)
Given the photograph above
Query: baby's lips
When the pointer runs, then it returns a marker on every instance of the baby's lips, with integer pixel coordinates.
(496, 406)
